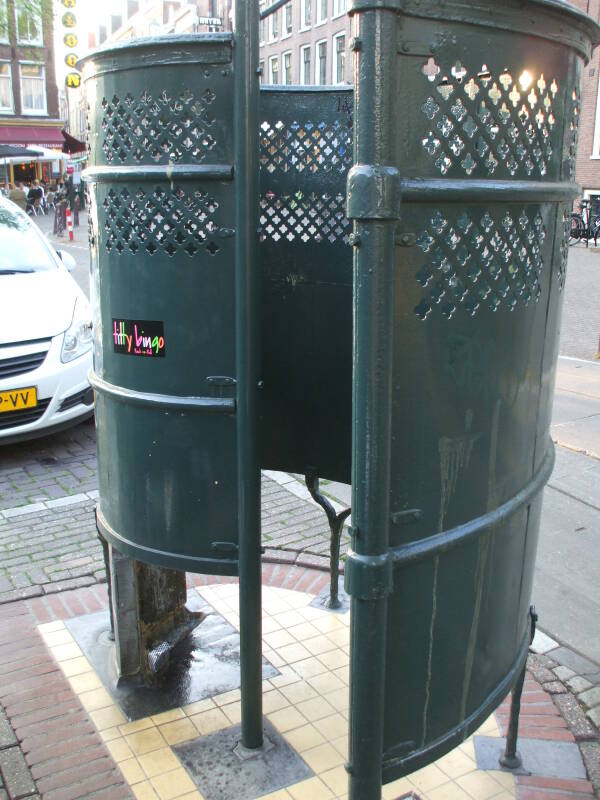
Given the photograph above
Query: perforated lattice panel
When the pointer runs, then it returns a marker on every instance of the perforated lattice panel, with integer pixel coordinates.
(304, 217)
(313, 145)
(159, 220)
(503, 123)
(478, 261)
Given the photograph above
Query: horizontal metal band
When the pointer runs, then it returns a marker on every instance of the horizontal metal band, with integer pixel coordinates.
(395, 767)
(273, 8)
(297, 89)
(459, 190)
(463, 534)
(368, 577)
(168, 172)
(217, 405)
(162, 558)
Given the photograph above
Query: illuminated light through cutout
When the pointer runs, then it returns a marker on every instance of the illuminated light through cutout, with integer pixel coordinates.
(525, 80)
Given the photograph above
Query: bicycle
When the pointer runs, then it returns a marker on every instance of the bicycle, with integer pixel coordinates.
(584, 226)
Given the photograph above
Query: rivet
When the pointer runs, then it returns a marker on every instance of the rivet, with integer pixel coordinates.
(355, 43)
(354, 240)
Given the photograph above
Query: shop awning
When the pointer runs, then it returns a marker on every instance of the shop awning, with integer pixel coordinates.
(14, 151)
(32, 135)
(73, 145)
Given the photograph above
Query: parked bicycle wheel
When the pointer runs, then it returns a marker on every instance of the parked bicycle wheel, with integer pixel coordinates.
(577, 233)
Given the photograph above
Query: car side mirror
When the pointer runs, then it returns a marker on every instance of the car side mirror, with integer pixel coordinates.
(67, 259)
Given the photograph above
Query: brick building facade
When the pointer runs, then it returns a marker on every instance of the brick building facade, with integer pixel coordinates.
(29, 110)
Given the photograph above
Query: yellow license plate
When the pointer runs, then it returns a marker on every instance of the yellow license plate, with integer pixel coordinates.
(18, 399)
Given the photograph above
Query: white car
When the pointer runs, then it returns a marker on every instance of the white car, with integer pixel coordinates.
(45, 334)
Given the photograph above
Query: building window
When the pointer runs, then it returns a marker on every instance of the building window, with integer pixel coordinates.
(29, 25)
(4, 21)
(596, 140)
(288, 19)
(305, 64)
(321, 65)
(261, 29)
(287, 67)
(305, 14)
(321, 11)
(339, 63)
(6, 95)
(33, 89)
(261, 65)
(273, 70)
(339, 7)
(274, 26)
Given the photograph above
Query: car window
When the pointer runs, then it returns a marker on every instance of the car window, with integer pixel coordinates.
(21, 248)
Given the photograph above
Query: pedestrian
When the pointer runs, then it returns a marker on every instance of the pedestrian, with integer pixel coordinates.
(19, 196)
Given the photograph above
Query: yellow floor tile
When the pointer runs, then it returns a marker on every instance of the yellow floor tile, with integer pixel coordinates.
(448, 791)
(505, 779)
(468, 748)
(55, 625)
(310, 667)
(489, 727)
(227, 697)
(396, 789)
(293, 652)
(107, 717)
(289, 618)
(505, 796)
(343, 673)
(145, 741)
(287, 719)
(172, 784)
(233, 712)
(274, 700)
(95, 699)
(428, 778)
(479, 785)
(327, 682)
(159, 761)
(137, 726)
(315, 709)
(334, 659)
(306, 630)
(456, 763)
(311, 789)
(336, 779)
(75, 666)
(305, 737)
(168, 716)
(278, 639)
(341, 637)
(210, 721)
(339, 699)
(333, 726)
(66, 652)
(198, 707)
(182, 730)
(55, 638)
(298, 692)
(195, 795)
(282, 794)
(85, 682)
(144, 791)
(287, 675)
(108, 734)
(132, 772)
(341, 745)
(319, 644)
(322, 758)
(329, 623)
(119, 750)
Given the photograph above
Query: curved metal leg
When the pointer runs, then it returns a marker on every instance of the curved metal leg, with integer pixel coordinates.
(511, 759)
(336, 524)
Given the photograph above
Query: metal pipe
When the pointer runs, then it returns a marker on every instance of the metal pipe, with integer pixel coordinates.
(246, 100)
(368, 568)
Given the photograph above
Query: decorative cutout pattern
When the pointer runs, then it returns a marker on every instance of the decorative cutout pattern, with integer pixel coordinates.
(495, 123)
(567, 223)
(477, 261)
(160, 221)
(300, 146)
(307, 218)
(164, 129)
(573, 133)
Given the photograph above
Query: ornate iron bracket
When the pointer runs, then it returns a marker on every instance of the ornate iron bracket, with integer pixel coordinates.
(511, 759)
(336, 524)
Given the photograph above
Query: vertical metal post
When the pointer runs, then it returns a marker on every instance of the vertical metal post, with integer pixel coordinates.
(246, 99)
(373, 204)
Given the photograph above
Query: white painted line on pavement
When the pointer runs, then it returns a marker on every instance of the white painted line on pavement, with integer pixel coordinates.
(46, 505)
(580, 360)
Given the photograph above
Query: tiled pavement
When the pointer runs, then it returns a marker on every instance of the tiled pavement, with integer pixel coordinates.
(76, 743)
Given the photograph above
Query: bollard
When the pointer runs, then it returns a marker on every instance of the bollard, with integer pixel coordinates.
(69, 223)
